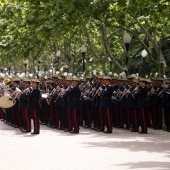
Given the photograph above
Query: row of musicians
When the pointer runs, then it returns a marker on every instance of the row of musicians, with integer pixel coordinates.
(101, 106)
(68, 111)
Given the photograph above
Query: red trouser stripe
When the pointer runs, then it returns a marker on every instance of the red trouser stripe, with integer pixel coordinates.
(109, 120)
(135, 117)
(114, 114)
(144, 120)
(35, 122)
(46, 114)
(19, 116)
(115, 108)
(75, 120)
(154, 117)
(149, 117)
(88, 114)
(0, 113)
(121, 123)
(160, 117)
(128, 118)
(28, 121)
(57, 119)
(51, 115)
(101, 120)
(69, 120)
(12, 109)
(81, 116)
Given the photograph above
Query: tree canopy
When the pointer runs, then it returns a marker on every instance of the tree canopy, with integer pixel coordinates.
(36, 30)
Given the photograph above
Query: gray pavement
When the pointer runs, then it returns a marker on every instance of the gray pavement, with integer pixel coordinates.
(57, 150)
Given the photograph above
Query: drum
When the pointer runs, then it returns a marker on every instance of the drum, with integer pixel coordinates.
(5, 98)
(6, 102)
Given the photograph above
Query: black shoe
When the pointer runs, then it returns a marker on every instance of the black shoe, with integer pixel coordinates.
(41, 123)
(9, 123)
(22, 129)
(33, 133)
(141, 132)
(98, 130)
(65, 130)
(133, 130)
(59, 128)
(15, 126)
(107, 131)
(73, 132)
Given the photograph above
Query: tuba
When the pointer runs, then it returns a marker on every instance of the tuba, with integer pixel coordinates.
(6, 100)
(8, 81)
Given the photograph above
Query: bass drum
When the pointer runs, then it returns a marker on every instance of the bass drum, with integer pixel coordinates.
(6, 102)
(5, 99)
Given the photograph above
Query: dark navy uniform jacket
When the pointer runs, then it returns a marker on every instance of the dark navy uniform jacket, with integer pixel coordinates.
(74, 97)
(133, 102)
(23, 100)
(106, 97)
(33, 99)
(142, 97)
(167, 99)
(157, 100)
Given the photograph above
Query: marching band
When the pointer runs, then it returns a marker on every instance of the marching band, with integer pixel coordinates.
(95, 102)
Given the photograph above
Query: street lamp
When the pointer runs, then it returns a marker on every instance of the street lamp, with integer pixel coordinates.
(25, 64)
(144, 53)
(39, 62)
(83, 51)
(58, 54)
(144, 66)
(127, 39)
(110, 61)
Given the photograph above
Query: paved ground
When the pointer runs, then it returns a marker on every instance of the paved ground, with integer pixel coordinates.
(57, 150)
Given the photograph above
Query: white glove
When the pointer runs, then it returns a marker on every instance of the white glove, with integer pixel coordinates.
(100, 89)
(93, 89)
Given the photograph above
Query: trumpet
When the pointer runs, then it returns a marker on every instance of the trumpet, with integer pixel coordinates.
(151, 91)
(163, 90)
(127, 91)
(85, 85)
(99, 90)
(57, 89)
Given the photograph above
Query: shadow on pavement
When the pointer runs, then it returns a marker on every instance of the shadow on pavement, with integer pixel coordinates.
(147, 165)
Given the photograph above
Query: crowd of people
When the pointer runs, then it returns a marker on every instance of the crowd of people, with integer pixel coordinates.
(96, 102)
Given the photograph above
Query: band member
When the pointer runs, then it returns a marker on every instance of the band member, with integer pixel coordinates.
(74, 94)
(166, 97)
(34, 106)
(155, 103)
(23, 100)
(97, 90)
(143, 104)
(106, 104)
(133, 106)
(16, 110)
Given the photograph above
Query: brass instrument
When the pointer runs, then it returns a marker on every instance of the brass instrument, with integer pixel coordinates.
(86, 84)
(8, 81)
(151, 91)
(8, 100)
(47, 97)
(163, 90)
(126, 91)
(99, 89)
